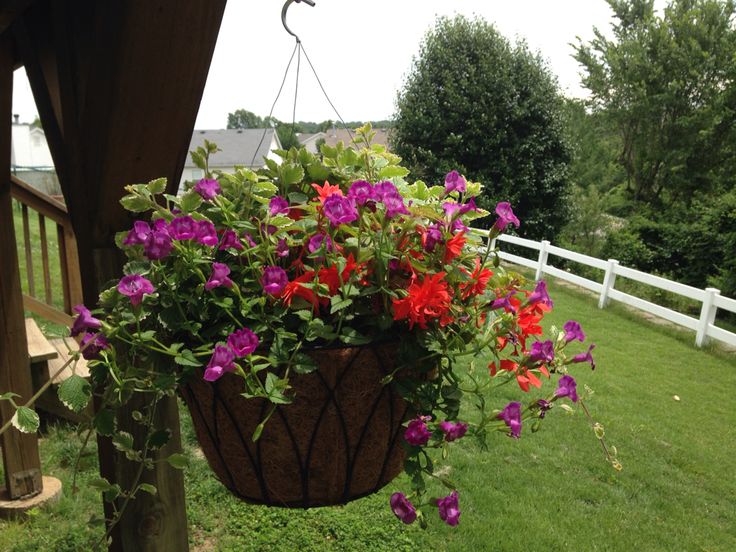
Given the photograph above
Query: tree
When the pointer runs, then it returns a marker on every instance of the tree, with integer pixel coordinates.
(666, 84)
(242, 118)
(475, 103)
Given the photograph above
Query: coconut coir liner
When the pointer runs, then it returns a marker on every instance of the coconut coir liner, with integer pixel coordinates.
(339, 440)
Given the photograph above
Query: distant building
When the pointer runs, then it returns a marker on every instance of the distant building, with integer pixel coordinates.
(30, 158)
(245, 147)
(335, 135)
(310, 141)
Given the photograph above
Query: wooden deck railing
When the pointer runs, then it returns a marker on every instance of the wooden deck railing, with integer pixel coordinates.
(68, 279)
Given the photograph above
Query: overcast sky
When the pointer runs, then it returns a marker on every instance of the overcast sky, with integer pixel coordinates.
(361, 49)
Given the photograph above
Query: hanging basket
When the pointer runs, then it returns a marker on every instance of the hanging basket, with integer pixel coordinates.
(338, 441)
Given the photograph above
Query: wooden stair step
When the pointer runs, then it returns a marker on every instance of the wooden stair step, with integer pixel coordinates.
(62, 346)
(39, 348)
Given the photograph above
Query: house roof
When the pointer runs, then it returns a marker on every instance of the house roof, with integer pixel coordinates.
(335, 135)
(238, 145)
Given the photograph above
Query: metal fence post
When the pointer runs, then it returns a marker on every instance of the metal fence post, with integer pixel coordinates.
(608, 282)
(707, 316)
(543, 253)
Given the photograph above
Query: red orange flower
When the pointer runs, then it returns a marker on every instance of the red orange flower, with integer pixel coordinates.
(454, 247)
(478, 280)
(428, 299)
(327, 190)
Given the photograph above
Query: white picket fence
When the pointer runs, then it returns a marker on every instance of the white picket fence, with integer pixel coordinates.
(710, 298)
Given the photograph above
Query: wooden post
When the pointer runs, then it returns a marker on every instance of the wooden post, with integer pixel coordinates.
(20, 451)
(707, 316)
(542, 262)
(608, 281)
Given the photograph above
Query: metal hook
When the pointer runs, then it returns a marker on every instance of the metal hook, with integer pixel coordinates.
(283, 15)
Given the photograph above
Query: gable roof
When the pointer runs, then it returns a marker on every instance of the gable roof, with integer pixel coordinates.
(237, 145)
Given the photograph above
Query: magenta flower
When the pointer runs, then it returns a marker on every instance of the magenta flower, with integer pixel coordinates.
(511, 414)
(361, 192)
(433, 237)
(505, 216)
(230, 240)
(138, 234)
(278, 206)
(586, 357)
(540, 295)
(207, 188)
(454, 182)
(382, 190)
(567, 387)
(135, 286)
(206, 233)
(402, 508)
(544, 406)
(319, 240)
(183, 228)
(282, 249)
(453, 430)
(339, 210)
(573, 331)
(274, 280)
(503, 303)
(219, 277)
(449, 509)
(542, 351)
(243, 342)
(96, 341)
(469, 206)
(395, 206)
(84, 321)
(451, 209)
(248, 238)
(221, 362)
(417, 433)
(158, 245)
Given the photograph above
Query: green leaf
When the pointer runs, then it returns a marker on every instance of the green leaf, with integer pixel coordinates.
(351, 336)
(101, 484)
(178, 461)
(190, 201)
(304, 364)
(391, 171)
(337, 303)
(157, 186)
(135, 203)
(297, 197)
(318, 172)
(291, 174)
(9, 395)
(147, 488)
(198, 159)
(159, 438)
(187, 358)
(104, 422)
(25, 420)
(123, 441)
(75, 393)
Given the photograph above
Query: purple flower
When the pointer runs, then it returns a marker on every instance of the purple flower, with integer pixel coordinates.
(451, 209)
(417, 433)
(573, 331)
(542, 351)
(158, 245)
(138, 234)
(230, 240)
(207, 188)
(540, 295)
(454, 181)
(382, 190)
(248, 238)
(544, 406)
(206, 233)
(96, 341)
(219, 277)
(449, 509)
(511, 414)
(135, 286)
(183, 228)
(469, 206)
(567, 387)
(586, 357)
(319, 240)
(433, 237)
(458, 226)
(221, 362)
(503, 302)
(274, 280)
(505, 216)
(282, 250)
(395, 206)
(84, 321)
(339, 210)
(268, 229)
(453, 430)
(243, 342)
(361, 192)
(278, 206)
(402, 508)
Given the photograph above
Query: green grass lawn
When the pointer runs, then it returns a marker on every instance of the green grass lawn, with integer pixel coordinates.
(547, 491)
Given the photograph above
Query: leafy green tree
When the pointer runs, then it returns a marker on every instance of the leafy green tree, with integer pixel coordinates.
(242, 118)
(666, 84)
(491, 110)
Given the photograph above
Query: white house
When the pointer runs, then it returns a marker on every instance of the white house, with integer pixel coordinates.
(246, 147)
(30, 158)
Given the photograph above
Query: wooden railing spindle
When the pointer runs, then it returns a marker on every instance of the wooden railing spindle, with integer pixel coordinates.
(29, 252)
(45, 260)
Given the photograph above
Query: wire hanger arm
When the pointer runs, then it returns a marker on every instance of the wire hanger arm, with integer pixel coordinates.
(283, 15)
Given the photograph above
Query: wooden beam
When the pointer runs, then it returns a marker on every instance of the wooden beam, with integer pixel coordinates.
(20, 451)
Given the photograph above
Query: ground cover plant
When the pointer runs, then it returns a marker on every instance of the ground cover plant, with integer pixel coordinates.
(549, 492)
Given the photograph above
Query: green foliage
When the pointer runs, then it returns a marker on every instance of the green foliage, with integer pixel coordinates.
(666, 84)
(491, 110)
